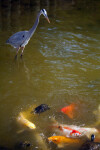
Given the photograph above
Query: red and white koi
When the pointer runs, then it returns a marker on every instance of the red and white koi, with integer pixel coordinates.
(74, 131)
(67, 131)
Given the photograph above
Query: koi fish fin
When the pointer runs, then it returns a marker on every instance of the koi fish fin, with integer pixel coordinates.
(27, 113)
(69, 110)
(97, 115)
(41, 141)
(60, 145)
(20, 131)
(70, 115)
(54, 120)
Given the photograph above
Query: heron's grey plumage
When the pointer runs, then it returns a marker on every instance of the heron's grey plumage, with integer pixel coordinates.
(17, 39)
(21, 39)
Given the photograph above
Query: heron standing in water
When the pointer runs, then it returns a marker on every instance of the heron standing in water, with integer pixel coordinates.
(20, 39)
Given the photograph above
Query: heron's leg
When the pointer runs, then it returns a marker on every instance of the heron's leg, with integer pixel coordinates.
(22, 51)
(17, 52)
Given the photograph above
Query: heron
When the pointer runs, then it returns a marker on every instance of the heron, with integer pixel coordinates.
(20, 39)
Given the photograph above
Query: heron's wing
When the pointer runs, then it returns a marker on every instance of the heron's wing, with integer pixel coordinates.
(17, 39)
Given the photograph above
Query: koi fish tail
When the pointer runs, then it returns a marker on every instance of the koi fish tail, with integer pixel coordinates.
(26, 122)
(69, 110)
(20, 117)
(70, 115)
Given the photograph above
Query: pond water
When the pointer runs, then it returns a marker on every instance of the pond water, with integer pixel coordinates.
(60, 66)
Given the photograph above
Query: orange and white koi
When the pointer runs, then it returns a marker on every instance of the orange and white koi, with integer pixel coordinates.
(67, 131)
(62, 140)
(85, 131)
(80, 131)
(69, 110)
(25, 121)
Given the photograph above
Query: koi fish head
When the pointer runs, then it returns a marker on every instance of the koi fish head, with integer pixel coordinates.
(75, 133)
(63, 140)
(54, 139)
(60, 128)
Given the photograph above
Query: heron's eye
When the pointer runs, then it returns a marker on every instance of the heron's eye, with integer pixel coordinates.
(23, 35)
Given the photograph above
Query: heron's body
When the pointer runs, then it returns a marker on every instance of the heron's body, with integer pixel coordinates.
(21, 39)
(18, 39)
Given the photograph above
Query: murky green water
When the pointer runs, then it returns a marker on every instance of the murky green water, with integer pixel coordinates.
(61, 65)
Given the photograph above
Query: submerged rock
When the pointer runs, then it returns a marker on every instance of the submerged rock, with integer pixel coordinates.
(41, 108)
(91, 145)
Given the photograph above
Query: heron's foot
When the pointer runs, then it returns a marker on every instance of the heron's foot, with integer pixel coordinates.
(15, 56)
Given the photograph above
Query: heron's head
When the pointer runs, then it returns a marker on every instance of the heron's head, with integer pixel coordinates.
(43, 11)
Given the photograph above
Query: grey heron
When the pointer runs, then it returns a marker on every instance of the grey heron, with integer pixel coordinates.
(20, 39)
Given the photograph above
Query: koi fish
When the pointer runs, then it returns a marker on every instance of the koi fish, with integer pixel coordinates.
(26, 122)
(62, 140)
(85, 131)
(69, 110)
(68, 132)
(77, 130)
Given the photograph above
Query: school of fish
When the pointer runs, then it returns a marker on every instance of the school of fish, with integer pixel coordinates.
(65, 134)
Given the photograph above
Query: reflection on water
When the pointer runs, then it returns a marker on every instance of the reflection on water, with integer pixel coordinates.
(61, 65)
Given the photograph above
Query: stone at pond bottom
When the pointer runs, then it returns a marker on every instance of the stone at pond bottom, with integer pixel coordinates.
(41, 108)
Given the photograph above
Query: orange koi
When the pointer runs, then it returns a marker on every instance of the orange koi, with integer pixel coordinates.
(69, 110)
(61, 140)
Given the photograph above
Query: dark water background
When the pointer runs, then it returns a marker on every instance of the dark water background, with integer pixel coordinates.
(61, 65)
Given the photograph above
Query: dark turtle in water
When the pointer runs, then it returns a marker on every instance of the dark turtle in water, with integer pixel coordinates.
(41, 108)
(91, 145)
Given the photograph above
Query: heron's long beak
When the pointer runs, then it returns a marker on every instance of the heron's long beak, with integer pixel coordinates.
(48, 19)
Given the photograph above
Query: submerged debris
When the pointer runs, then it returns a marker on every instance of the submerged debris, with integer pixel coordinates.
(41, 108)
(90, 145)
(23, 145)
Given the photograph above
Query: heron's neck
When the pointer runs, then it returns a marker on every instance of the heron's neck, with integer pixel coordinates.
(32, 30)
